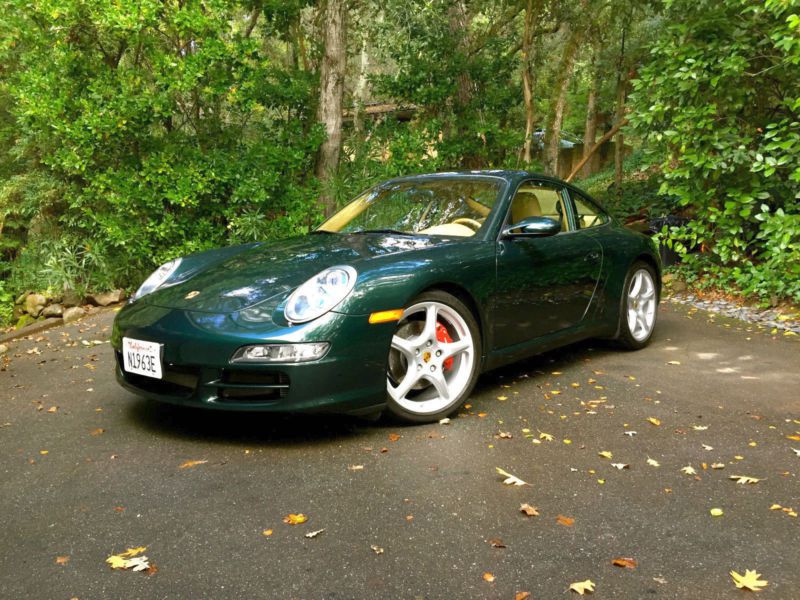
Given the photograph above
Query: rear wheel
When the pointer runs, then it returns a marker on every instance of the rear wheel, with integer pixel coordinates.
(639, 307)
(434, 358)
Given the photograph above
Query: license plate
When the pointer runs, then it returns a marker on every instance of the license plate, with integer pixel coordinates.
(142, 358)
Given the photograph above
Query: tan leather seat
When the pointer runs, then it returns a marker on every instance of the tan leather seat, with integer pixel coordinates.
(525, 205)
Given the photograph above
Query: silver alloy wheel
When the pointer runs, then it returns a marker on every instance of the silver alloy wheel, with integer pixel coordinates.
(641, 305)
(418, 378)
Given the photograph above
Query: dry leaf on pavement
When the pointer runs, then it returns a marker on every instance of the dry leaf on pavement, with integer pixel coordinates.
(654, 421)
(295, 519)
(749, 581)
(496, 543)
(689, 470)
(582, 587)
(313, 534)
(652, 462)
(488, 577)
(529, 510)
(192, 463)
(567, 521)
(744, 479)
(62, 560)
(522, 595)
(509, 478)
(626, 563)
(393, 437)
(376, 549)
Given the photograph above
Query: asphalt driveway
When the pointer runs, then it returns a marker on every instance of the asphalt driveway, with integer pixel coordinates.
(89, 470)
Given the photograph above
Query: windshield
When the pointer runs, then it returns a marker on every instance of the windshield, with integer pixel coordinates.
(452, 207)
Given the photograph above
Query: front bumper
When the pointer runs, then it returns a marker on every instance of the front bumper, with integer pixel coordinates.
(197, 347)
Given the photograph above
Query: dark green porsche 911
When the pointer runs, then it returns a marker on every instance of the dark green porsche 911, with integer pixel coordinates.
(400, 300)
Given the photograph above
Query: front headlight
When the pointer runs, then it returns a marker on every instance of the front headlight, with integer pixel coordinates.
(321, 293)
(158, 278)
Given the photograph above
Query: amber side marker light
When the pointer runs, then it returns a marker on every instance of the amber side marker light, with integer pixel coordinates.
(385, 316)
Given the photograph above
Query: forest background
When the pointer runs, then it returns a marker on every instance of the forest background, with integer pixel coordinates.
(135, 131)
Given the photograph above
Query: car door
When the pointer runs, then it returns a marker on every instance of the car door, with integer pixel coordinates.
(543, 284)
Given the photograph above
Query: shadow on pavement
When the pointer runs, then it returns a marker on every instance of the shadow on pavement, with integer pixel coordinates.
(241, 427)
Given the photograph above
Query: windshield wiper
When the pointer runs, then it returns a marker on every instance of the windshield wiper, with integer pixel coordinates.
(391, 231)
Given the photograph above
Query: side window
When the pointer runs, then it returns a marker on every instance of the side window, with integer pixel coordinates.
(534, 199)
(587, 213)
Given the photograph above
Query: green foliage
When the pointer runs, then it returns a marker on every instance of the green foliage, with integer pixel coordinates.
(719, 100)
(146, 130)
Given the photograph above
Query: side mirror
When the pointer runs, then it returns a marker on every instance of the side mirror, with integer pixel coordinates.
(533, 227)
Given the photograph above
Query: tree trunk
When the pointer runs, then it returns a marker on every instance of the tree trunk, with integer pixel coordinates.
(360, 93)
(619, 142)
(590, 130)
(595, 147)
(331, 94)
(552, 134)
(532, 11)
(459, 21)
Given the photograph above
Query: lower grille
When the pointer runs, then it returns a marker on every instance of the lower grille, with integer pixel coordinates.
(252, 386)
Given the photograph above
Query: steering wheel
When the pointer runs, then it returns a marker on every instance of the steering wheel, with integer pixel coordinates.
(467, 221)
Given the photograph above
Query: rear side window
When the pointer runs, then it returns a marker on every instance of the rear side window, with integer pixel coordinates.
(587, 213)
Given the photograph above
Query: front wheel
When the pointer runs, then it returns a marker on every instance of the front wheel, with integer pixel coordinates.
(638, 308)
(434, 358)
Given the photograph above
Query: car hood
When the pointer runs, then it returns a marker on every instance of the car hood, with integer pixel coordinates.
(264, 271)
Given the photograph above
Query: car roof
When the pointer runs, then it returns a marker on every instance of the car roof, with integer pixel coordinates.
(510, 175)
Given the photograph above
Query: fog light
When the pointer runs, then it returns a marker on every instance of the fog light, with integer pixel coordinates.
(280, 353)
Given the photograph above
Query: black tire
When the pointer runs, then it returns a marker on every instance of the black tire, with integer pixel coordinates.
(625, 337)
(399, 412)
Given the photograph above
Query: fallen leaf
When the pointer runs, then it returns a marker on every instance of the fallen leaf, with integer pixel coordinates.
(796, 451)
(488, 577)
(496, 543)
(629, 433)
(376, 549)
(620, 466)
(689, 470)
(192, 463)
(794, 438)
(501, 398)
(673, 362)
(717, 465)
(482, 414)
(743, 479)
(529, 510)
(52, 409)
(267, 532)
(129, 559)
(393, 437)
(626, 563)
(566, 521)
(775, 507)
(582, 587)
(652, 462)
(605, 454)
(295, 519)
(522, 595)
(654, 421)
(545, 436)
(313, 534)
(503, 435)
(749, 581)
(707, 447)
(716, 512)
(509, 478)
(699, 427)
(62, 560)
(444, 421)
(356, 468)
(98, 431)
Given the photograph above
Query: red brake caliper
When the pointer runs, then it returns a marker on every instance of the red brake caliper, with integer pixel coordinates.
(443, 337)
